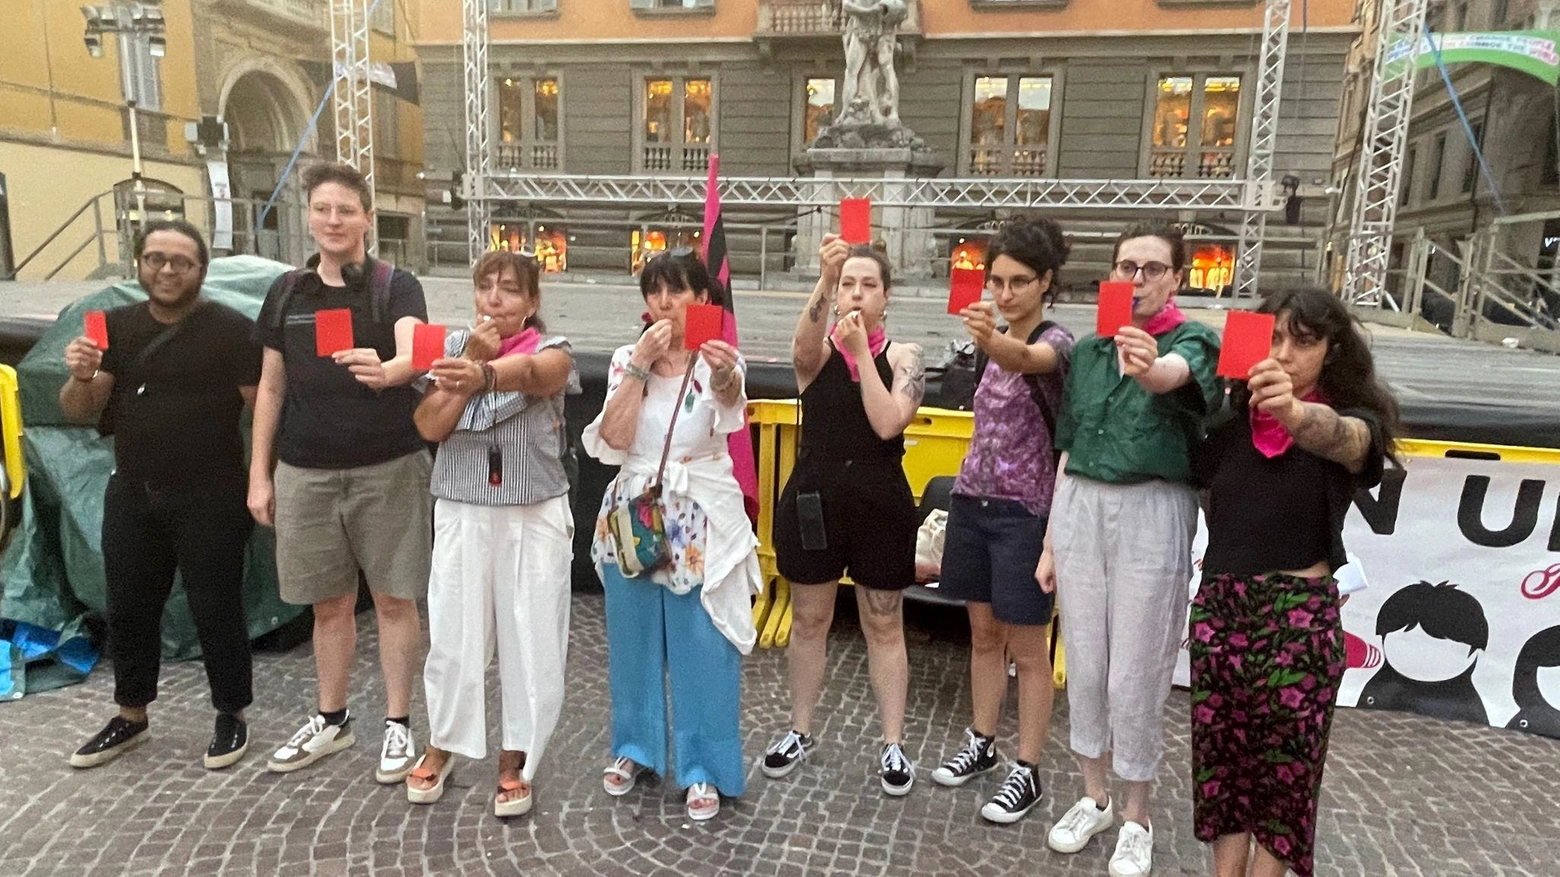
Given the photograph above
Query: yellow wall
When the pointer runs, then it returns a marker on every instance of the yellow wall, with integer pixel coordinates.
(51, 88)
(47, 184)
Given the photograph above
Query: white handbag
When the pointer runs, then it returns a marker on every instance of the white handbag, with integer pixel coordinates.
(929, 540)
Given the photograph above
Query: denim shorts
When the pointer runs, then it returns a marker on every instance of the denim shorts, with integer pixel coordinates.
(989, 555)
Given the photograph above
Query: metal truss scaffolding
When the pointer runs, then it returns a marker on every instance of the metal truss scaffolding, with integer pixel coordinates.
(353, 100)
(1400, 25)
(479, 206)
(1264, 138)
(1252, 196)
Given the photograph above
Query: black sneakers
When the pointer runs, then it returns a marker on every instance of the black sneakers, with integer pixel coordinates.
(116, 738)
(897, 771)
(1019, 792)
(229, 742)
(786, 753)
(978, 756)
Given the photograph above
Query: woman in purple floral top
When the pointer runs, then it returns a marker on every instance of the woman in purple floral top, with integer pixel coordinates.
(996, 525)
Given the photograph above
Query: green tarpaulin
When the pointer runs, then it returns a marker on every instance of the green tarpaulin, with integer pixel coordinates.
(52, 570)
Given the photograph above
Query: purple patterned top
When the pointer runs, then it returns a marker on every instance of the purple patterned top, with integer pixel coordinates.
(1010, 456)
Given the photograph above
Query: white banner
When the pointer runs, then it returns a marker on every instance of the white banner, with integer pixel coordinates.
(1462, 616)
(221, 205)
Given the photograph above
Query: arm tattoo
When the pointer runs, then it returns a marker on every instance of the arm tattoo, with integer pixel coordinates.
(883, 603)
(914, 373)
(815, 310)
(1340, 439)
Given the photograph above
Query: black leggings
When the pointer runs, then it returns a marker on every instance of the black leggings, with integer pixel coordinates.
(148, 533)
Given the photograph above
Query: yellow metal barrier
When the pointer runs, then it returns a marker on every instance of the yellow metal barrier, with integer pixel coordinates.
(15, 466)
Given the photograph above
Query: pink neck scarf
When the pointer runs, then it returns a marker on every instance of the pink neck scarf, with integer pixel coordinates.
(1268, 436)
(1168, 318)
(521, 343)
(876, 341)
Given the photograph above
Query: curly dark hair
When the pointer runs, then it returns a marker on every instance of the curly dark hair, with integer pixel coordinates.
(1349, 378)
(1037, 243)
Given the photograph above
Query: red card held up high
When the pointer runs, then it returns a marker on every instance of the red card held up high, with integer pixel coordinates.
(1248, 339)
(964, 288)
(97, 328)
(1115, 308)
(702, 323)
(332, 331)
(427, 345)
(856, 220)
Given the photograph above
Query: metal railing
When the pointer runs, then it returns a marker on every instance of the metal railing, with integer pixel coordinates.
(802, 18)
(1007, 161)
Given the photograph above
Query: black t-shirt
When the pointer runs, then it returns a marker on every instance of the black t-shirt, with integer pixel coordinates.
(1285, 513)
(329, 419)
(175, 416)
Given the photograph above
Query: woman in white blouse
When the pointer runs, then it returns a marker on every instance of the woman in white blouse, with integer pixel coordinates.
(687, 621)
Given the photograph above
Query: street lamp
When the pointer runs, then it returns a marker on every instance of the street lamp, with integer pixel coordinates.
(141, 31)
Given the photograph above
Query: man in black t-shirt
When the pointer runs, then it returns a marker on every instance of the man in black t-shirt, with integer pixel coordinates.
(349, 489)
(171, 385)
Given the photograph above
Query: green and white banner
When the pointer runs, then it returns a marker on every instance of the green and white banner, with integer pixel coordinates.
(1533, 52)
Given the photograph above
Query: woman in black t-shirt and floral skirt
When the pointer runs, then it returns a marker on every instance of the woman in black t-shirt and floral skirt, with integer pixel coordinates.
(1310, 426)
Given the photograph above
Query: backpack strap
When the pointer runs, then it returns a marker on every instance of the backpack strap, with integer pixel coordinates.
(381, 272)
(284, 297)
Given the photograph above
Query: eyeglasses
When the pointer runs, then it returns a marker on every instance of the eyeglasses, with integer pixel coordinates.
(157, 261)
(680, 252)
(1128, 269)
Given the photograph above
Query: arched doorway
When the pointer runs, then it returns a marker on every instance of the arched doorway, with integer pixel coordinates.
(265, 117)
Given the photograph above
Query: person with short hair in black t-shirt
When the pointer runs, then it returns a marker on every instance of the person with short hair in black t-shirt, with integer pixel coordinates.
(172, 383)
(1309, 427)
(349, 491)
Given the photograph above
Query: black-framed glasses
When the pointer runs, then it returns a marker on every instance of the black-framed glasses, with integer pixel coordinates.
(1128, 269)
(157, 261)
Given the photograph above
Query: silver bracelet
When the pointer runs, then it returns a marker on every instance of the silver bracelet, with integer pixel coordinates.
(635, 371)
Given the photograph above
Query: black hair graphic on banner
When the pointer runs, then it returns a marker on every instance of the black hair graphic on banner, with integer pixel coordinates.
(1432, 637)
(1537, 713)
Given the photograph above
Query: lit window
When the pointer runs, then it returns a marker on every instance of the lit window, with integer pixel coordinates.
(1178, 148)
(1010, 125)
(679, 124)
(819, 109)
(528, 123)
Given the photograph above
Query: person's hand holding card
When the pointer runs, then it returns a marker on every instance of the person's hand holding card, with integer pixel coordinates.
(1248, 339)
(980, 322)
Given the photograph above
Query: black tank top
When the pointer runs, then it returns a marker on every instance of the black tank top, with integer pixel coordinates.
(834, 420)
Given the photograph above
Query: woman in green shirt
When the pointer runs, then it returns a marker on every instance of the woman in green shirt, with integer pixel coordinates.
(1119, 545)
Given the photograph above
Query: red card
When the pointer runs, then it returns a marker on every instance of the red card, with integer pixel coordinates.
(332, 331)
(1248, 339)
(702, 323)
(97, 328)
(1115, 308)
(856, 220)
(964, 288)
(427, 345)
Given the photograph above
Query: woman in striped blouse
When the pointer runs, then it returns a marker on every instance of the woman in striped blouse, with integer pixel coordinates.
(503, 533)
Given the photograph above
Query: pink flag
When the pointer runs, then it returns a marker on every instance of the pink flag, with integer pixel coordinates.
(739, 443)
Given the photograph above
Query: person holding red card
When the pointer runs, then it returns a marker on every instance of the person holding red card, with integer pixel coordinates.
(681, 619)
(997, 516)
(502, 533)
(1118, 550)
(847, 507)
(171, 388)
(349, 493)
(1309, 427)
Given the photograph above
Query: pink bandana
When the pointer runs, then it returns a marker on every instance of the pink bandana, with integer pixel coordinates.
(876, 341)
(1168, 318)
(1268, 436)
(522, 343)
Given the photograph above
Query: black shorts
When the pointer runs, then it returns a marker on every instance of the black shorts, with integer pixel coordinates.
(869, 521)
(990, 551)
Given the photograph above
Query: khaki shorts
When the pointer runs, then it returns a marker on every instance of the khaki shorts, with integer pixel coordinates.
(331, 522)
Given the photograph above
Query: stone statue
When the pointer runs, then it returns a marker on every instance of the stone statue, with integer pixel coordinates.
(871, 87)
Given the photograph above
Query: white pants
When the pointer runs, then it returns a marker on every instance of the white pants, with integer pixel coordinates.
(1123, 566)
(500, 577)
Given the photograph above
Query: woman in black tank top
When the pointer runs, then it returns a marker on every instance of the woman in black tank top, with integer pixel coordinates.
(847, 508)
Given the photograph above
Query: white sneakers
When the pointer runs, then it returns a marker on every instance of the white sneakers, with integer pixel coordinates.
(1134, 855)
(397, 755)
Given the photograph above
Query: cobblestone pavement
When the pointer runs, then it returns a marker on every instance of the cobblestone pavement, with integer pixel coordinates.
(1404, 795)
